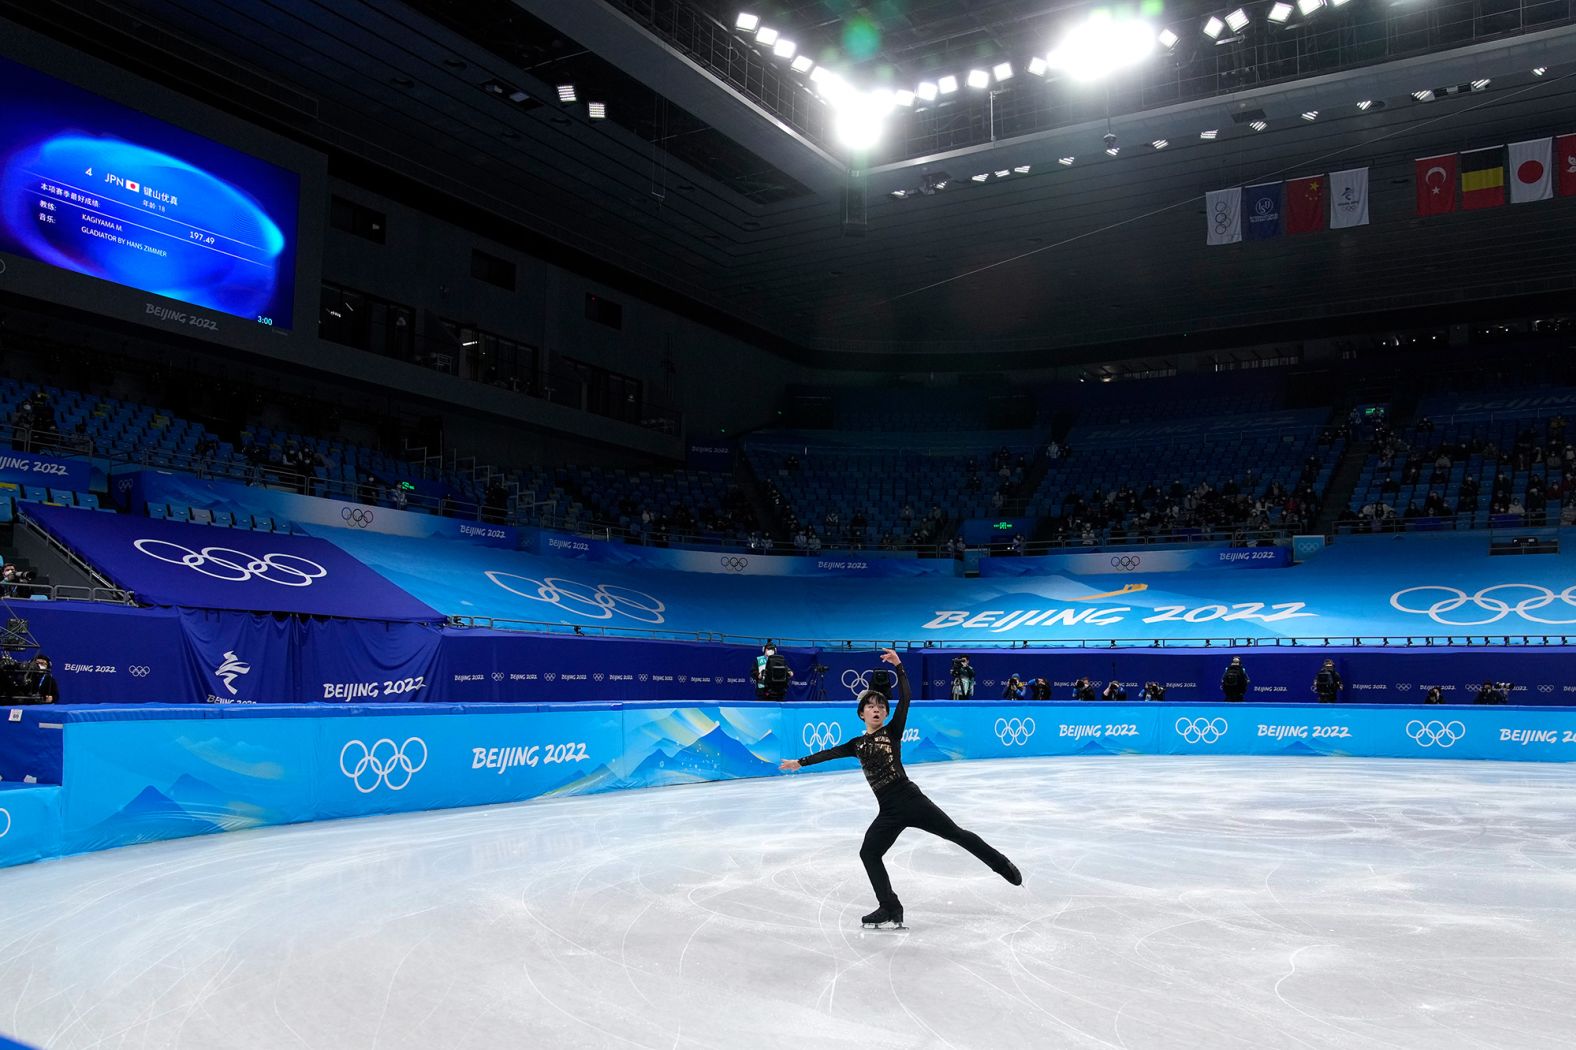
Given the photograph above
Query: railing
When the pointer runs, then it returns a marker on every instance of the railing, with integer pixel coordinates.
(65, 592)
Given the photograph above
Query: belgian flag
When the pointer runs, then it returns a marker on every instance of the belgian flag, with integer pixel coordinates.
(1483, 178)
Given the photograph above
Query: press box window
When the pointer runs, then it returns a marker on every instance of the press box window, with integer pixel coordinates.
(493, 270)
(604, 311)
(366, 223)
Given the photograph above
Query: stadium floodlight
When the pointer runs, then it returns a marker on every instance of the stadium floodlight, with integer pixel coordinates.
(747, 22)
(1167, 39)
(903, 97)
(1022, 169)
(566, 92)
(766, 36)
(1160, 143)
(1426, 95)
(1003, 71)
(926, 91)
(1258, 125)
(1364, 104)
(1209, 135)
(834, 89)
(1540, 70)
(1339, 3)
(1479, 85)
(1214, 27)
(860, 117)
(1102, 45)
(900, 194)
(1279, 12)
(981, 177)
(803, 64)
(1310, 115)
(1066, 162)
(948, 84)
(1112, 150)
(1308, 7)
(1038, 66)
(978, 78)
(784, 48)
(596, 110)
(1237, 19)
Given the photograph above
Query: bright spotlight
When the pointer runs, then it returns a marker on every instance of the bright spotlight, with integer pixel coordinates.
(1258, 125)
(1213, 27)
(1022, 169)
(747, 22)
(1003, 173)
(1111, 151)
(1339, 3)
(978, 78)
(766, 36)
(1237, 19)
(566, 92)
(1066, 162)
(1037, 66)
(1168, 39)
(596, 110)
(903, 98)
(1003, 71)
(1279, 13)
(860, 119)
(1308, 7)
(926, 91)
(1310, 115)
(1479, 85)
(1209, 135)
(1160, 144)
(784, 48)
(1101, 46)
(981, 177)
(1540, 70)
(1364, 104)
(803, 64)
(947, 84)
(1426, 95)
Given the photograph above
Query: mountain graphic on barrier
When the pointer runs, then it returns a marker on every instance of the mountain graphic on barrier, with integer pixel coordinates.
(149, 817)
(714, 755)
(202, 800)
(1095, 747)
(1297, 747)
(599, 779)
(925, 751)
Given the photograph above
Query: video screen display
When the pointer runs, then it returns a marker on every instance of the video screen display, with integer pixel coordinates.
(89, 185)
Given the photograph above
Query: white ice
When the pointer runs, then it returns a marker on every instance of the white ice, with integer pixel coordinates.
(1170, 903)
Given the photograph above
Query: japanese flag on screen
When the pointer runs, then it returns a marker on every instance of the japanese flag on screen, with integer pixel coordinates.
(1531, 177)
(133, 186)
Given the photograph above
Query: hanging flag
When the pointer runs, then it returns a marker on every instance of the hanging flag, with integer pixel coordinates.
(1348, 198)
(1436, 184)
(1223, 213)
(1565, 164)
(1261, 211)
(1305, 204)
(1530, 177)
(1483, 178)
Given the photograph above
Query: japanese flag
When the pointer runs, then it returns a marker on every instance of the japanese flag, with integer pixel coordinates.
(1531, 176)
(134, 187)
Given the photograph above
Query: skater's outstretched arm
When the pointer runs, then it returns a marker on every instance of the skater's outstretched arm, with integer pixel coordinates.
(843, 750)
(900, 716)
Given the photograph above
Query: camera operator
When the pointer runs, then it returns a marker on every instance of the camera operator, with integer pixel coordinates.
(1435, 695)
(1083, 689)
(962, 679)
(1494, 693)
(1327, 683)
(1234, 683)
(1154, 691)
(1113, 690)
(1014, 689)
(771, 674)
(15, 582)
(1039, 689)
(40, 681)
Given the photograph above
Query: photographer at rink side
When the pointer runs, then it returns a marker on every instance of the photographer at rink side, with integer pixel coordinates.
(1083, 690)
(1154, 691)
(771, 674)
(1234, 683)
(1013, 689)
(1494, 693)
(1039, 689)
(1327, 683)
(962, 679)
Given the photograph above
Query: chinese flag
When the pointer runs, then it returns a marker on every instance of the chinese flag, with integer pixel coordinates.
(1305, 208)
(1436, 184)
(1483, 178)
(1565, 165)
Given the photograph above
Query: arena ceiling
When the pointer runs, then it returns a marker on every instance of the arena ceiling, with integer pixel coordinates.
(719, 182)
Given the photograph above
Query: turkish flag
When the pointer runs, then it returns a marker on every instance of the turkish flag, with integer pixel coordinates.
(1565, 165)
(1436, 184)
(1305, 208)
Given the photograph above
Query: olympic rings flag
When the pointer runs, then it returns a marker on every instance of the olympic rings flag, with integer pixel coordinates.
(199, 566)
(383, 764)
(600, 601)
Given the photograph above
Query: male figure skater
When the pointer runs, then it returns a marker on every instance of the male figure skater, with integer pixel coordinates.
(903, 805)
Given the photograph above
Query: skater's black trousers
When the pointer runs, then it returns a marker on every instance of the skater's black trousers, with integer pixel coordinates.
(907, 807)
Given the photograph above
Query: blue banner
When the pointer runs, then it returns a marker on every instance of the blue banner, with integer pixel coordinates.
(29, 824)
(321, 517)
(169, 563)
(1128, 562)
(827, 565)
(1261, 211)
(29, 468)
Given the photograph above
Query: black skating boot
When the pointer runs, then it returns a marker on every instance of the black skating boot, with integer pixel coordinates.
(887, 913)
(1011, 874)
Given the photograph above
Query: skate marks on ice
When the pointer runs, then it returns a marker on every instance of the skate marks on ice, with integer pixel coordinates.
(1168, 903)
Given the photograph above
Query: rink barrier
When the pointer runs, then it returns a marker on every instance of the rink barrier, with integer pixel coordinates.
(149, 772)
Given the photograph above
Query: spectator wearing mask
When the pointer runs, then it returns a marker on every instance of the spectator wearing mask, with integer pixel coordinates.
(1154, 691)
(41, 680)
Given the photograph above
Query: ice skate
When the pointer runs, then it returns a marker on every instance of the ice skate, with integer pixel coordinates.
(885, 917)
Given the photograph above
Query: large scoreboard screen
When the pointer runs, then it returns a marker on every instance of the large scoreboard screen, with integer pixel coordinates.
(95, 187)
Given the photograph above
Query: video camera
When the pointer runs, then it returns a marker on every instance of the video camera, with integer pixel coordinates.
(959, 663)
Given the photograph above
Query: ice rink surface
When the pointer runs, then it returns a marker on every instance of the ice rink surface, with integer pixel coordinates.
(1169, 903)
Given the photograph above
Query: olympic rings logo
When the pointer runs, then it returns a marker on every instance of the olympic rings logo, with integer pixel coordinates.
(356, 517)
(822, 735)
(856, 682)
(241, 568)
(497, 676)
(1496, 608)
(599, 677)
(1430, 733)
(1545, 689)
(1201, 730)
(1126, 562)
(1403, 687)
(383, 763)
(1014, 732)
(7, 829)
(733, 563)
(139, 671)
(596, 603)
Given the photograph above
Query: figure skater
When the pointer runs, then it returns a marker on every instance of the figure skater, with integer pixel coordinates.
(903, 805)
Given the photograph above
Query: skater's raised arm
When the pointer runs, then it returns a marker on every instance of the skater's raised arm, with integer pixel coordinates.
(900, 716)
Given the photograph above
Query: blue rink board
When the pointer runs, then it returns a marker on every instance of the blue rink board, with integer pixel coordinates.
(139, 774)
